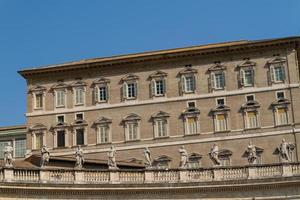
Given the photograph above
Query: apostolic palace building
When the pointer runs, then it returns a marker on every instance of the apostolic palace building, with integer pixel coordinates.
(217, 121)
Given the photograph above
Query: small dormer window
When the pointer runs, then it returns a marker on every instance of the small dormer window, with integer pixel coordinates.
(220, 101)
(277, 70)
(250, 97)
(79, 117)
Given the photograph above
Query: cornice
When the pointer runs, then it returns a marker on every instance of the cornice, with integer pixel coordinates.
(209, 49)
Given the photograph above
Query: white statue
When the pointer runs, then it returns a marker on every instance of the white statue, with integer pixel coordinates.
(183, 157)
(112, 158)
(251, 153)
(284, 151)
(214, 155)
(79, 158)
(147, 155)
(8, 155)
(45, 156)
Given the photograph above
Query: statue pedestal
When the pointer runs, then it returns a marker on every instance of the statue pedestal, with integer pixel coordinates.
(183, 175)
(8, 174)
(287, 169)
(114, 177)
(79, 176)
(44, 175)
(252, 172)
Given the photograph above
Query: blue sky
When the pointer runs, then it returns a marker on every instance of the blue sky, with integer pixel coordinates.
(36, 33)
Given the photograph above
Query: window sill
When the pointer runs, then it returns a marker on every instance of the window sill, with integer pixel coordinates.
(57, 148)
(226, 131)
(249, 129)
(81, 104)
(282, 125)
(162, 137)
(104, 143)
(60, 106)
(187, 135)
(38, 109)
(84, 145)
(136, 140)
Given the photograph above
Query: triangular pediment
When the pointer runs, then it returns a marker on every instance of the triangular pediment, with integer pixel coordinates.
(247, 63)
(37, 88)
(217, 67)
(132, 117)
(188, 70)
(129, 77)
(277, 60)
(103, 120)
(78, 83)
(101, 80)
(163, 158)
(158, 74)
(251, 104)
(38, 126)
(160, 114)
(60, 85)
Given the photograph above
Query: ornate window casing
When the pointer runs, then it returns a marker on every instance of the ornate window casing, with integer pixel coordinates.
(251, 114)
(280, 110)
(246, 73)
(187, 80)
(60, 94)
(158, 84)
(132, 127)
(38, 136)
(225, 157)
(130, 87)
(162, 162)
(60, 133)
(220, 118)
(101, 90)
(38, 94)
(79, 129)
(79, 90)
(276, 71)
(103, 130)
(191, 121)
(217, 77)
(194, 161)
(160, 124)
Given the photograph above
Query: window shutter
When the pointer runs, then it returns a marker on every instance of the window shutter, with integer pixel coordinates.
(194, 83)
(182, 82)
(135, 90)
(272, 74)
(164, 86)
(212, 80)
(96, 93)
(252, 73)
(242, 75)
(153, 87)
(107, 92)
(223, 79)
(283, 72)
(124, 90)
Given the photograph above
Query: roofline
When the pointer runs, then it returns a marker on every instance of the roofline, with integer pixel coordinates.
(8, 128)
(156, 55)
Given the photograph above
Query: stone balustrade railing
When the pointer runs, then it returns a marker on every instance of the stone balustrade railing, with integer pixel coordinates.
(57, 176)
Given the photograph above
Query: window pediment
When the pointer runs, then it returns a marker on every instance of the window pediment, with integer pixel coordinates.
(220, 109)
(78, 84)
(130, 77)
(163, 158)
(188, 70)
(60, 125)
(250, 104)
(131, 117)
(103, 120)
(217, 67)
(246, 63)
(79, 122)
(101, 80)
(195, 156)
(38, 127)
(280, 102)
(160, 114)
(37, 89)
(277, 60)
(191, 111)
(225, 153)
(158, 74)
(60, 85)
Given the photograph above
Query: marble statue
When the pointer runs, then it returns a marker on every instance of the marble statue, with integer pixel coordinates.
(214, 155)
(8, 155)
(251, 153)
(79, 158)
(284, 151)
(112, 158)
(183, 157)
(45, 156)
(147, 155)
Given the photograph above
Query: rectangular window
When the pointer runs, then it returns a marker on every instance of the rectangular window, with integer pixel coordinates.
(61, 119)
(104, 134)
(191, 126)
(60, 98)
(219, 81)
(191, 104)
(189, 84)
(38, 101)
(220, 102)
(103, 93)
(3, 144)
(79, 136)
(280, 95)
(282, 116)
(131, 90)
(251, 119)
(161, 126)
(250, 97)
(61, 138)
(79, 116)
(79, 96)
(221, 124)
(20, 147)
(159, 87)
(132, 131)
(248, 77)
(278, 73)
(39, 141)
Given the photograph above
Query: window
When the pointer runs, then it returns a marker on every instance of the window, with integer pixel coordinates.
(131, 125)
(188, 80)
(247, 77)
(162, 162)
(103, 134)
(225, 161)
(60, 119)
(79, 136)
(20, 147)
(102, 93)
(38, 140)
(191, 104)
(101, 86)
(281, 116)
(79, 95)
(220, 123)
(129, 88)
(277, 72)
(192, 126)
(79, 116)
(218, 80)
(194, 161)
(161, 126)
(220, 101)
(250, 97)
(39, 101)
(251, 119)
(191, 121)
(280, 95)
(3, 144)
(132, 131)
(61, 138)
(60, 98)
(158, 87)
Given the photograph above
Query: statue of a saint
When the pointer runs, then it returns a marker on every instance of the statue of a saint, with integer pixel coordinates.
(183, 157)
(284, 151)
(214, 155)
(251, 153)
(112, 158)
(45, 156)
(8, 155)
(79, 158)
(148, 160)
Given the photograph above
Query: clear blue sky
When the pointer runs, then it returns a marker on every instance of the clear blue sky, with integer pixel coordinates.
(36, 33)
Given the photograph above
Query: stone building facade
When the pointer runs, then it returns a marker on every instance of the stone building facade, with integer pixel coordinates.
(228, 94)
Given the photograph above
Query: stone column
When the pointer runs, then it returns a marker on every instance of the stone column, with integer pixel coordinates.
(8, 174)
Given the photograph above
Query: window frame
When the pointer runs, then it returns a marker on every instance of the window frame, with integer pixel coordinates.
(75, 89)
(64, 92)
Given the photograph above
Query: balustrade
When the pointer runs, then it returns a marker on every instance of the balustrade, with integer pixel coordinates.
(200, 175)
(61, 176)
(165, 176)
(131, 177)
(296, 169)
(233, 173)
(96, 176)
(268, 171)
(1, 174)
(26, 175)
